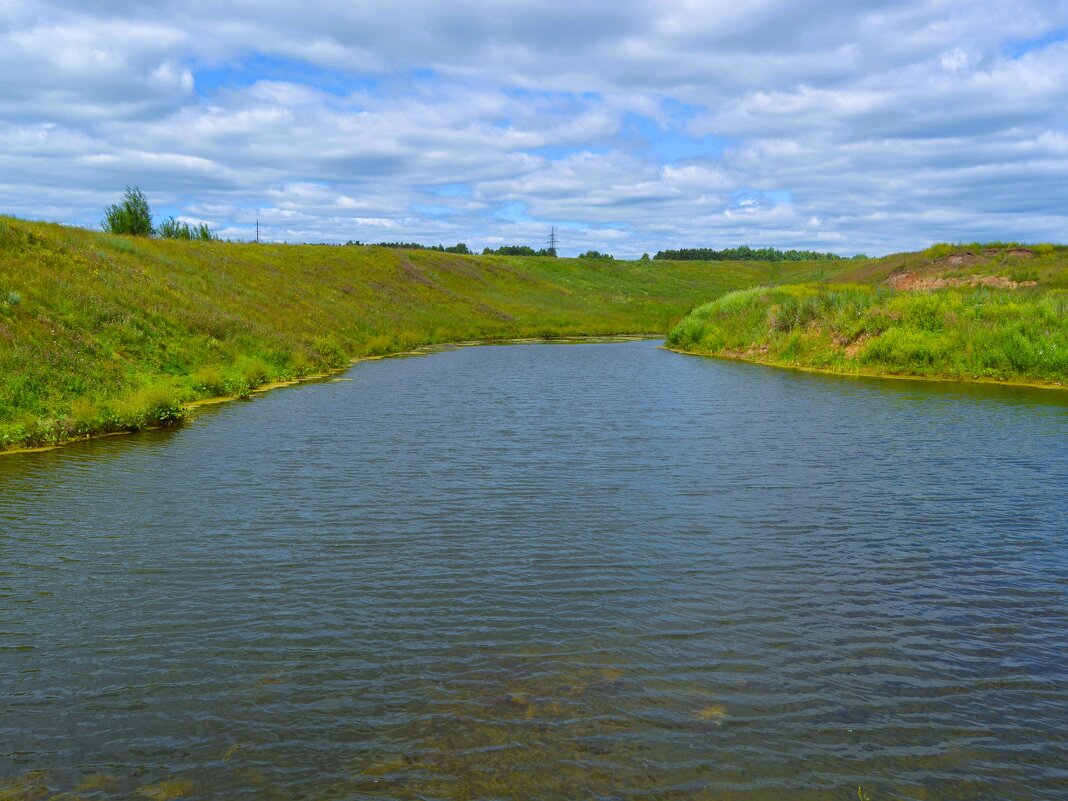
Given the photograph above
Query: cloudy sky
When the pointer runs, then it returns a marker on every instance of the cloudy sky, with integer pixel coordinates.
(631, 126)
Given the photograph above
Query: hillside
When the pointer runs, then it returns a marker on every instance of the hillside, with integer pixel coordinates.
(103, 333)
(994, 313)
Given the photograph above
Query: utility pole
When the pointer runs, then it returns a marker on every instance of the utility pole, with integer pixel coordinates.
(552, 241)
(257, 230)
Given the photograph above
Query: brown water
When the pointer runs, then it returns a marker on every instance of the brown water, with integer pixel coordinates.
(547, 572)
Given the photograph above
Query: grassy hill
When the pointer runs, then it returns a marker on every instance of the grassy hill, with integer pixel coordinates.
(103, 333)
(976, 312)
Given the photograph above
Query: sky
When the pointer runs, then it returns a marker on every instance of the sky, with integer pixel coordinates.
(631, 127)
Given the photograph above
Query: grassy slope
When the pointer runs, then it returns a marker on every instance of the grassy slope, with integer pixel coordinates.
(104, 333)
(863, 322)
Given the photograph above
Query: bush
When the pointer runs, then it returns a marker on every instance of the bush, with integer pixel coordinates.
(210, 380)
(152, 405)
(171, 228)
(132, 216)
(329, 353)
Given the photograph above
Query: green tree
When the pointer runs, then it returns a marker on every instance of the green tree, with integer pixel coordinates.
(132, 216)
(203, 232)
(171, 228)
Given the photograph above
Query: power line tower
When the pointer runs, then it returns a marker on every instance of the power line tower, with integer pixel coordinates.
(257, 230)
(552, 241)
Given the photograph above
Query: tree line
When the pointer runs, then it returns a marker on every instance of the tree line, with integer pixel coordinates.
(745, 253)
(518, 250)
(460, 247)
(133, 216)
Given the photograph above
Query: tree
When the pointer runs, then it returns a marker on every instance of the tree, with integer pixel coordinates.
(132, 216)
(204, 233)
(171, 228)
(645, 257)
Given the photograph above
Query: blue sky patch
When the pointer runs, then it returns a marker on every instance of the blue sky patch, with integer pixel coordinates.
(260, 67)
(669, 142)
(514, 212)
(1018, 48)
(432, 210)
(451, 190)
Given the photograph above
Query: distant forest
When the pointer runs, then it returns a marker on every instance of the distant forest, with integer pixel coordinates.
(518, 250)
(744, 253)
(458, 248)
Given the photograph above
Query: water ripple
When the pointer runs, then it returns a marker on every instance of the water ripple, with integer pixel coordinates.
(547, 572)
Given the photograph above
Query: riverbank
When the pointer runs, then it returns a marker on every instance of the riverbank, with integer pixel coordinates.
(102, 333)
(990, 329)
(189, 408)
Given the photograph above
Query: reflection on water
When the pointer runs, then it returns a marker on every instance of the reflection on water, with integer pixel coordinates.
(595, 571)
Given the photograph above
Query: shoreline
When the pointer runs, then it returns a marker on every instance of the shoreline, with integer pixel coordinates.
(427, 350)
(872, 374)
(423, 350)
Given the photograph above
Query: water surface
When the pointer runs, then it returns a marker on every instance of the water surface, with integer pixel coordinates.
(545, 571)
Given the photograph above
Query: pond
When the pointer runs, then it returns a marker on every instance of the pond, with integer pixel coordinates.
(547, 571)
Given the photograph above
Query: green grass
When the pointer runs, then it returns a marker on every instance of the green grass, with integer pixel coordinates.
(973, 333)
(103, 333)
(1045, 263)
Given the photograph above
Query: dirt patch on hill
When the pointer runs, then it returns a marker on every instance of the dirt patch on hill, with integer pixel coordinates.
(857, 345)
(966, 259)
(912, 281)
(1020, 253)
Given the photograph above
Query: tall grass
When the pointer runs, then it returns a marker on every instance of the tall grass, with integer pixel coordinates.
(969, 333)
(100, 332)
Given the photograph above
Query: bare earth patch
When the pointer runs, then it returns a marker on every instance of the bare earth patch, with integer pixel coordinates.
(909, 280)
(854, 347)
(752, 353)
(963, 259)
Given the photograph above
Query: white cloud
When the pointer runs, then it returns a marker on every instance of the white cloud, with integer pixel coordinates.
(881, 126)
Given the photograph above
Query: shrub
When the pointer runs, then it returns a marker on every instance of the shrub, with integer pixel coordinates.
(210, 380)
(254, 370)
(328, 352)
(153, 405)
(132, 216)
(902, 348)
(171, 228)
(940, 250)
